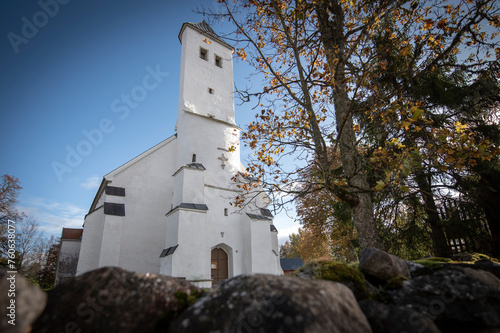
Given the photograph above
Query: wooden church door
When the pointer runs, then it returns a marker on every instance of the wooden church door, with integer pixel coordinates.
(219, 265)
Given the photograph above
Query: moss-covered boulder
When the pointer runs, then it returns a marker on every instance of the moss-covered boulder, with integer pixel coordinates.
(456, 298)
(337, 272)
(434, 263)
(380, 266)
(396, 282)
(479, 256)
(267, 303)
(386, 318)
(110, 299)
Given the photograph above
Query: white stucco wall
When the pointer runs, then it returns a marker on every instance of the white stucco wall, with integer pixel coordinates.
(91, 241)
(191, 259)
(111, 241)
(210, 140)
(68, 259)
(135, 241)
(197, 75)
(191, 181)
(148, 187)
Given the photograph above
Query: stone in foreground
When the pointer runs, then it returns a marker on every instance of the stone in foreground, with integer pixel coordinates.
(111, 299)
(29, 302)
(457, 299)
(265, 303)
(382, 265)
(385, 318)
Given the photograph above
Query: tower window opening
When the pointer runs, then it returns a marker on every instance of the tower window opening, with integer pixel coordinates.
(194, 158)
(203, 54)
(210, 91)
(218, 61)
(226, 213)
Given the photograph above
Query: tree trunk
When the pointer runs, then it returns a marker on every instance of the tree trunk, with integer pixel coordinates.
(439, 241)
(493, 219)
(333, 40)
(351, 253)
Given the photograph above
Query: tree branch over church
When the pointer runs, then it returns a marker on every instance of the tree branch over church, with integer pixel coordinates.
(322, 65)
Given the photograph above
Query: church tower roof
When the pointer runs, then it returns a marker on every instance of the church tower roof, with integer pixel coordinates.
(205, 29)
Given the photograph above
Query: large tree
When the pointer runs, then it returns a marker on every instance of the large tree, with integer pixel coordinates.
(319, 60)
(9, 191)
(308, 244)
(46, 276)
(29, 247)
(443, 139)
(320, 212)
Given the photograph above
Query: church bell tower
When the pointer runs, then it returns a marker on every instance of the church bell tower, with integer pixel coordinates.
(208, 154)
(206, 101)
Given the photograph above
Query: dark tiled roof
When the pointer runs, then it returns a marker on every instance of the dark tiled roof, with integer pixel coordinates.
(266, 212)
(196, 166)
(168, 251)
(291, 264)
(204, 28)
(258, 217)
(193, 206)
(189, 206)
(69, 233)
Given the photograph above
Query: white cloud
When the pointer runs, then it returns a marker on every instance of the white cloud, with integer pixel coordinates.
(53, 216)
(91, 183)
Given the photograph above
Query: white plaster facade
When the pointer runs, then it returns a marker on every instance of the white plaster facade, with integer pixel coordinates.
(177, 194)
(69, 250)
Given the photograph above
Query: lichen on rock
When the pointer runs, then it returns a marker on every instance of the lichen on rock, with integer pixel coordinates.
(335, 271)
(396, 282)
(433, 263)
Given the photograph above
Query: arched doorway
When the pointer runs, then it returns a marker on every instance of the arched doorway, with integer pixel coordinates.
(219, 265)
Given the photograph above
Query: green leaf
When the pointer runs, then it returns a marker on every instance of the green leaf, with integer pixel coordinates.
(417, 112)
(380, 185)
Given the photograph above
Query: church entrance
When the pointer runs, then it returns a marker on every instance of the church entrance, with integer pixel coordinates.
(219, 265)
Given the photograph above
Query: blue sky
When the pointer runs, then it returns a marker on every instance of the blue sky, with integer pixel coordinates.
(63, 65)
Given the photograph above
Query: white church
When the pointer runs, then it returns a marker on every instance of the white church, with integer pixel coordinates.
(168, 210)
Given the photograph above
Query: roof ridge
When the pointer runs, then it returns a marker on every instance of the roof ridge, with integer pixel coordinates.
(205, 28)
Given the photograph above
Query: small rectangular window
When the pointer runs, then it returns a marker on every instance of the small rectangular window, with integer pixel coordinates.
(218, 61)
(210, 91)
(112, 190)
(203, 54)
(226, 213)
(114, 209)
(168, 251)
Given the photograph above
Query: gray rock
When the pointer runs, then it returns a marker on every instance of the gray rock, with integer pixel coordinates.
(462, 256)
(417, 270)
(382, 265)
(484, 276)
(396, 319)
(337, 272)
(265, 303)
(29, 302)
(111, 299)
(457, 300)
(484, 265)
